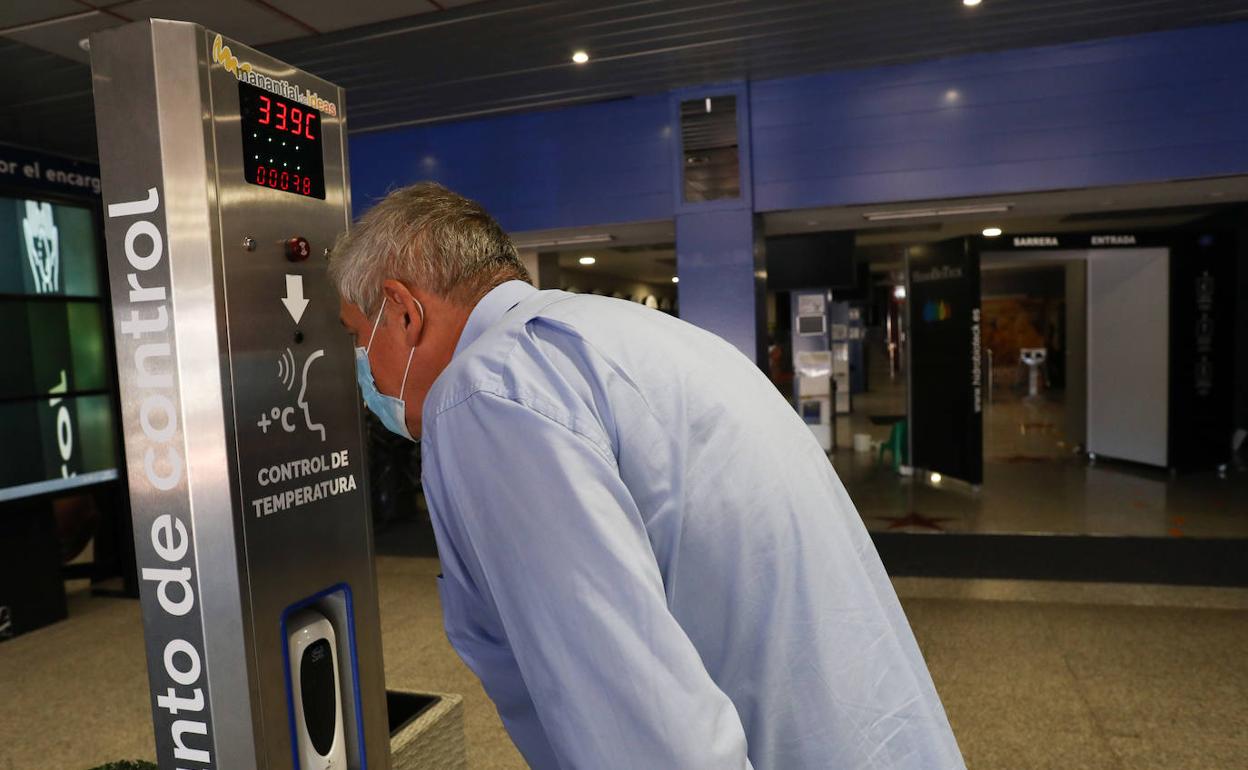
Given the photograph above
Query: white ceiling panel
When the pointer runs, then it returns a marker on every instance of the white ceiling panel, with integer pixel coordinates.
(333, 15)
(245, 21)
(61, 37)
(18, 12)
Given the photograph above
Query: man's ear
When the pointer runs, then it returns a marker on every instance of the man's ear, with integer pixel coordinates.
(413, 318)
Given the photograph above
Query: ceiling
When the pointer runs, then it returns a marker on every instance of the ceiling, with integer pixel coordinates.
(406, 62)
(654, 264)
(54, 111)
(1127, 207)
(645, 251)
(1164, 204)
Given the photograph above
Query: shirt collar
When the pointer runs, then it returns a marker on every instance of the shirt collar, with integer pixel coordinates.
(491, 308)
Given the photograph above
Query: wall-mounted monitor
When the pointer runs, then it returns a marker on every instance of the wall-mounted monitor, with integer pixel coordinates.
(812, 325)
(811, 261)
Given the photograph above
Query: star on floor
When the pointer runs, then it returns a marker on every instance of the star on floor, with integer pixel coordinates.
(915, 519)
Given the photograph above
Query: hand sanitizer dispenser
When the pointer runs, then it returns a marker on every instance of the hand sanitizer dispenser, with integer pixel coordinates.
(316, 692)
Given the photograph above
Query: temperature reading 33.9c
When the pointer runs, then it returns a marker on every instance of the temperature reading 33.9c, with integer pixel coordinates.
(281, 142)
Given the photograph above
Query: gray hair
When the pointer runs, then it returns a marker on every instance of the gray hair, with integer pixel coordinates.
(429, 237)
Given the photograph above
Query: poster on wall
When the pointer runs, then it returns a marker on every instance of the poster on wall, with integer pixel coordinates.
(946, 380)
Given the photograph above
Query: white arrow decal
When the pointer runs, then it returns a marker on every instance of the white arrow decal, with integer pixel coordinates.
(294, 301)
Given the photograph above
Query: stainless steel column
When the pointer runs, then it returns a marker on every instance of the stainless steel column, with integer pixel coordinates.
(241, 416)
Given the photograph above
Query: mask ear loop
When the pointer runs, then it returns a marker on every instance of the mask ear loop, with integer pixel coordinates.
(412, 352)
(376, 322)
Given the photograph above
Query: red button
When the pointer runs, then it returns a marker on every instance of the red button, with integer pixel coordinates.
(297, 249)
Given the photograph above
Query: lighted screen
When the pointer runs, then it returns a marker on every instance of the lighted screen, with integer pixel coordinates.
(56, 392)
(281, 143)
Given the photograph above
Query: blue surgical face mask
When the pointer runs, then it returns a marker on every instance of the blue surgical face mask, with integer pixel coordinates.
(391, 410)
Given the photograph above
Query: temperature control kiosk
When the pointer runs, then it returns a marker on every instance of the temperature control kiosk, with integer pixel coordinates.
(225, 184)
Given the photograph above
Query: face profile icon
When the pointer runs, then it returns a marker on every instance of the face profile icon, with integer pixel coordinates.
(43, 246)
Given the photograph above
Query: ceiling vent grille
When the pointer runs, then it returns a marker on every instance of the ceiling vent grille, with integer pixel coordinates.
(711, 168)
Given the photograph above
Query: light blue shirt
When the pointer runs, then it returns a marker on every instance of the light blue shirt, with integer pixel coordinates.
(649, 561)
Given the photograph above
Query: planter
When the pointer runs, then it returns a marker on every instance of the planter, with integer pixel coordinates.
(426, 731)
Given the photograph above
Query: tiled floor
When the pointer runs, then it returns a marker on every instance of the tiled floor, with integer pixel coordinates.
(1034, 483)
(1033, 675)
(1068, 497)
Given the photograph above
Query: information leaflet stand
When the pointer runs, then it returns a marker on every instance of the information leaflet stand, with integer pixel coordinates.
(225, 183)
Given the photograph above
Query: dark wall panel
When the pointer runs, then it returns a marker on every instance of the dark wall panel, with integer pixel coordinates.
(719, 257)
(946, 395)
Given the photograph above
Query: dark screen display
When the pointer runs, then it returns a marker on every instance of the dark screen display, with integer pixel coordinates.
(56, 442)
(47, 344)
(810, 324)
(281, 143)
(811, 261)
(56, 403)
(48, 249)
(320, 697)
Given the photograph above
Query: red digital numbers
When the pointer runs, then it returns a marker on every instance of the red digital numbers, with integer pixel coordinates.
(283, 118)
(283, 180)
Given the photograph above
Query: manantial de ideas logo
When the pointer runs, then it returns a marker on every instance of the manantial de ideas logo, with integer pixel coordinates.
(221, 54)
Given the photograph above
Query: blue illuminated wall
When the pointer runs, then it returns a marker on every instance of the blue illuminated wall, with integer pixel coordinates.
(1160, 106)
(600, 163)
(1146, 108)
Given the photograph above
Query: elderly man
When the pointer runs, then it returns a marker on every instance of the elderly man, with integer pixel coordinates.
(647, 559)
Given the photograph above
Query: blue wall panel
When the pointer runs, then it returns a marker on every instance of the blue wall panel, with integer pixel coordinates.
(1150, 107)
(1145, 108)
(719, 260)
(595, 164)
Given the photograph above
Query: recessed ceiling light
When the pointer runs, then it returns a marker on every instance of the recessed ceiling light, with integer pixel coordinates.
(580, 57)
(952, 95)
(675, 279)
(945, 211)
(587, 260)
(970, 3)
(992, 232)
